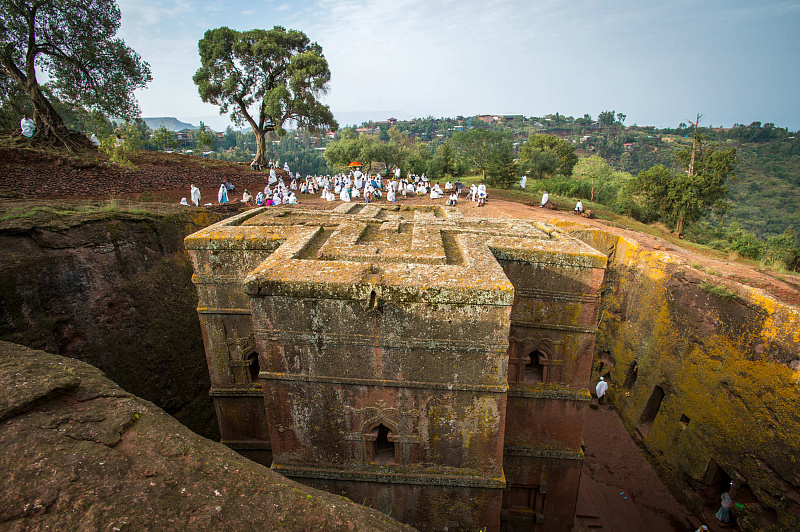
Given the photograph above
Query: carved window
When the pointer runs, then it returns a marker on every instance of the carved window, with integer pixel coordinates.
(253, 367)
(536, 367)
(382, 443)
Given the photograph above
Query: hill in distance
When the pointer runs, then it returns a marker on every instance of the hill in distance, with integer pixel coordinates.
(169, 122)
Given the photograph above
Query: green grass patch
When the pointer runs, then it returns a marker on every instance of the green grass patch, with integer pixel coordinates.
(719, 291)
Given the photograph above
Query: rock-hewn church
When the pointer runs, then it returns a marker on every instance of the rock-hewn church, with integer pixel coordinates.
(429, 365)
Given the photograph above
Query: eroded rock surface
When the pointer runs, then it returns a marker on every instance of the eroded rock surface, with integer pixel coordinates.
(80, 453)
(113, 289)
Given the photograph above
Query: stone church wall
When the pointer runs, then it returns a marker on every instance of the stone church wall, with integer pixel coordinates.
(707, 384)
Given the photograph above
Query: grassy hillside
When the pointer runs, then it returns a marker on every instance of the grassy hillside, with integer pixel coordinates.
(766, 193)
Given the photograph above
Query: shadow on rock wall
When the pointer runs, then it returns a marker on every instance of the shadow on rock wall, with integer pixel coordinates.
(113, 289)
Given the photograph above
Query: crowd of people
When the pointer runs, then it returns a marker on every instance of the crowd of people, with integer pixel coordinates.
(346, 187)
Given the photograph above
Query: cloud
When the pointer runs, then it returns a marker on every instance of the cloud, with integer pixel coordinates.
(656, 61)
(140, 13)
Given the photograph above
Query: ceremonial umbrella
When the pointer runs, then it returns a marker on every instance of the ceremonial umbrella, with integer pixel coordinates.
(354, 163)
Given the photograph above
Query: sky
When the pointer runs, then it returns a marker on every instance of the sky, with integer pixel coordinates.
(658, 62)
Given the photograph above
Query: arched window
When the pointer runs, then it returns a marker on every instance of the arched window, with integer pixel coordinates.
(383, 446)
(534, 366)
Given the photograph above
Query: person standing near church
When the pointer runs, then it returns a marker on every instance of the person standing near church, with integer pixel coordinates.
(602, 388)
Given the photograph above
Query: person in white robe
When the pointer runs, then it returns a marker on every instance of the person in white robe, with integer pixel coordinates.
(27, 126)
(260, 199)
(453, 201)
(545, 199)
(273, 178)
(601, 389)
(293, 185)
(421, 189)
(184, 202)
(222, 195)
(481, 195)
(579, 207)
(292, 198)
(369, 190)
(286, 167)
(522, 181)
(247, 197)
(276, 198)
(344, 195)
(448, 186)
(436, 192)
(195, 194)
(94, 140)
(473, 191)
(390, 195)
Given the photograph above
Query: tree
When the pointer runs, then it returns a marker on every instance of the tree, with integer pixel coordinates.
(606, 119)
(478, 146)
(344, 151)
(594, 168)
(444, 159)
(501, 169)
(205, 138)
(281, 73)
(682, 198)
(538, 162)
(547, 154)
(164, 138)
(73, 43)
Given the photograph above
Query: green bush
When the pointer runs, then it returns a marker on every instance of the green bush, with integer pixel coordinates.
(781, 250)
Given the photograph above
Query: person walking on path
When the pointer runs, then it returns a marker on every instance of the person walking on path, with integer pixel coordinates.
(602, 387)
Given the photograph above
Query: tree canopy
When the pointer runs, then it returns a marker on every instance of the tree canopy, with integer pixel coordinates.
(73, 43)
(547, 155)
(684, 197)
(481, 147)
(279, 73)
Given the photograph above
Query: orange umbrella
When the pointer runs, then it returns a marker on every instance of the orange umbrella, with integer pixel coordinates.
(354, 163)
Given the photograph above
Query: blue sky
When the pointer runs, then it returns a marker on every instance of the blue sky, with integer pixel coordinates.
(660, 63)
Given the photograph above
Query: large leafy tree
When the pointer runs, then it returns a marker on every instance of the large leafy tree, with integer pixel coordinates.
(684, 197)
(73, 43)
(265, 78)
(501, 169)
(480, 146)
(547, 154)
